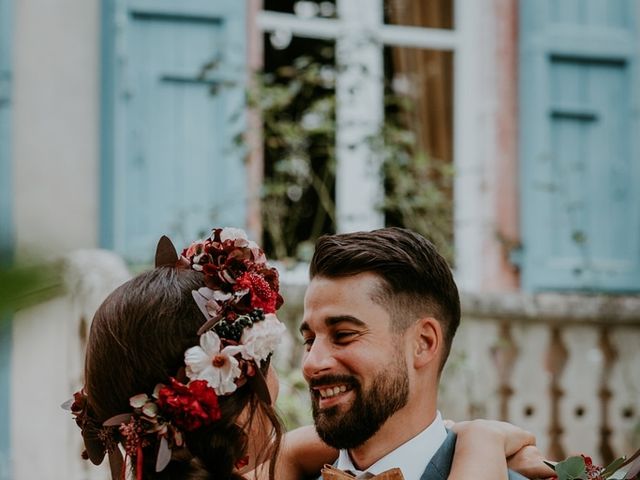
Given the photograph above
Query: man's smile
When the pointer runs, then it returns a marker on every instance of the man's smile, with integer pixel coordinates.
(332, 391)
(330, 395)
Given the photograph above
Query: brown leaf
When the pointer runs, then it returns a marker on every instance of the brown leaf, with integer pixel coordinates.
(117, 420)
(116, 463)
(95, 449)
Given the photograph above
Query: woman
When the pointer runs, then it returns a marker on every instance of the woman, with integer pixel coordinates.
(178, 382)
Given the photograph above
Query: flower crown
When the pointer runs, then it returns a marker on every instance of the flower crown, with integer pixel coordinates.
(238, 300)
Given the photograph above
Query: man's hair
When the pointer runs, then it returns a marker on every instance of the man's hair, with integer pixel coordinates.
(415, 280)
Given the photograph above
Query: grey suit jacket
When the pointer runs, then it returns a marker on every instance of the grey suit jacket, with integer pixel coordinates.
(440, 465)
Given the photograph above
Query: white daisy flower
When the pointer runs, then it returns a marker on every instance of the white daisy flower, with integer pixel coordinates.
(219, 368)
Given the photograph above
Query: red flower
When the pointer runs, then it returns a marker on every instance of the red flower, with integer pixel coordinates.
(262, 295)
(241, 463)
(79, 403)
(236, 266)
(271, 276)
(593, 471)
(189, 406)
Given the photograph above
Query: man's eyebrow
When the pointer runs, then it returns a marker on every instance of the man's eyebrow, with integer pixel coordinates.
(333, 321)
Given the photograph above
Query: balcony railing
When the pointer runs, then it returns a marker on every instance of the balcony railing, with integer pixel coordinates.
(564, 366)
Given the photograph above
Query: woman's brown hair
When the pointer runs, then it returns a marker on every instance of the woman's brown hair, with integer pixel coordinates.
(138, 338)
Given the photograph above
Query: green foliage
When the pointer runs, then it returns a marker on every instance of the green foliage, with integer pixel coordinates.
(22, 286)
(297, 104)
(418, 196)
(613, 467)
(293, 402)
(577, 468)
(573, 468)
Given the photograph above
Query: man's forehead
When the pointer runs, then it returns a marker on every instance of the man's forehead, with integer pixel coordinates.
(367, 283)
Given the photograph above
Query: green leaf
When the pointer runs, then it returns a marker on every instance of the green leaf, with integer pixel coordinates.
(572, 468)
(150, 409)
(612, 467)
(22, 287)
(138, 401)
(550, 464)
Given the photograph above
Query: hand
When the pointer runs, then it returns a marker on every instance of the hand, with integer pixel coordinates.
(513, 438)
(529, 461)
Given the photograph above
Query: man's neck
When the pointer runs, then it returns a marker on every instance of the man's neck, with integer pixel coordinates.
(401, 427)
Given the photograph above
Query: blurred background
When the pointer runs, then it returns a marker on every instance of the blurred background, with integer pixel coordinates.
(506, 131)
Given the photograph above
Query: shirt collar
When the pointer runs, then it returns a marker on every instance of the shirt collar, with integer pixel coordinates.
(412, 457)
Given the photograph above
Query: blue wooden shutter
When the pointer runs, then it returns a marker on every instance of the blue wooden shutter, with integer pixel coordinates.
(6, 191)
(6, 230)
(169, 162)
(579, 148)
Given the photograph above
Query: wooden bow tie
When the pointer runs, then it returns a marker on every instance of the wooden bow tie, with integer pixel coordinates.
(330, 472)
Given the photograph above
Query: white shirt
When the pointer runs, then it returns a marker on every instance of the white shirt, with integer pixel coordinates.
(412, 457)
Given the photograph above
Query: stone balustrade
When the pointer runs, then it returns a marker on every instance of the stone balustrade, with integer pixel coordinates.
(564, 366)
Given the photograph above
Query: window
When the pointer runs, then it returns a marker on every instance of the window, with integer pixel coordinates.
(385, 56)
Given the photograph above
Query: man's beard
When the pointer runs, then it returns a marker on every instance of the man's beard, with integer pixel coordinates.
(389, 392)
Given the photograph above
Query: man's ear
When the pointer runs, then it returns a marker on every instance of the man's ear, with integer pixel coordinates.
(428, 341)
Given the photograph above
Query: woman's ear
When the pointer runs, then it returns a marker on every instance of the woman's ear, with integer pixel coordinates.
(428, 341)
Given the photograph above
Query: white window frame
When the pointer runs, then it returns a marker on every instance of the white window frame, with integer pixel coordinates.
(357, 191)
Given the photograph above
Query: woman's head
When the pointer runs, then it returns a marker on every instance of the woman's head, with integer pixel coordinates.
(139, 336)
(148, 371)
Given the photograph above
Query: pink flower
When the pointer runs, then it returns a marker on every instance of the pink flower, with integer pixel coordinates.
(196, 248)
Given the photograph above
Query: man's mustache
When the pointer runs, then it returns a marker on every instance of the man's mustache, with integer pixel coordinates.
(347, 380)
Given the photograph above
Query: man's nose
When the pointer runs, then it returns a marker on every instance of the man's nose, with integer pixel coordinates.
(318, 360)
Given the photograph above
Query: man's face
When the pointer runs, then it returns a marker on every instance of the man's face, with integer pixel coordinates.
(355, 365)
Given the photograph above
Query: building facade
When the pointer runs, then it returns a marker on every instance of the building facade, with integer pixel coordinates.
(119, 122)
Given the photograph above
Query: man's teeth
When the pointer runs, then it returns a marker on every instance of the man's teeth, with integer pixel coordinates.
(332, 391)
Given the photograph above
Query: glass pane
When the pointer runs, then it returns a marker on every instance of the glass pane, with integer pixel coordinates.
(421, 13)
(419, 143)
(303, 8)
(297, 101)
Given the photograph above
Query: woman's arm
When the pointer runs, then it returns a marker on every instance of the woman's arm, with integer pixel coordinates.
(484, 446)
(303, 454)
(482, 450)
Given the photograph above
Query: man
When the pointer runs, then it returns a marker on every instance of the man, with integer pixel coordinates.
(380, 313)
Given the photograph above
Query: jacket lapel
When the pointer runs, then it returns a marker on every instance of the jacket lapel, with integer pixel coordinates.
(440, 465)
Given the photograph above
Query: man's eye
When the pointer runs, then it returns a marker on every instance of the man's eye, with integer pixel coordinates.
(307, 342)
(344, 336)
